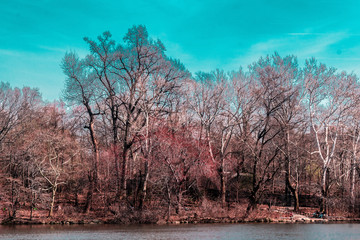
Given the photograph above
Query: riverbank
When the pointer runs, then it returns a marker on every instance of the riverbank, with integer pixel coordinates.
(234, 214)
(183, 231)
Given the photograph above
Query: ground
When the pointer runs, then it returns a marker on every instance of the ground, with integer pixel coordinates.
(208, 212)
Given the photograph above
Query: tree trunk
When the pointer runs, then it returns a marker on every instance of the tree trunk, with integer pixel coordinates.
(89, 195)
(93, 175)
(352, 185)
(54, 189)
(287, 193)
(123, 168)
(255, 187)
(32, 204)
(146, 164)
(179, 201)
(117, 170)
(115, 145)
(223, 184)
(31, 211)
(144, 189)
(323, 202)
(252, 204)
(294, 189)
(169, 200)
(126, 148)
(296, 201)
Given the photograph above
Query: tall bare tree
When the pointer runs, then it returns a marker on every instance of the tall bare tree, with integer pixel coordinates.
(138, 80)
(207, 101)
(81, 89)
(329, 100)
(263, 144)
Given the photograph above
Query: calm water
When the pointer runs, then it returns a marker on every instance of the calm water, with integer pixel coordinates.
(206, 231)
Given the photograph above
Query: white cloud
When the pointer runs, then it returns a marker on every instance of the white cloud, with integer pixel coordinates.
(10, 53)
(303, 46)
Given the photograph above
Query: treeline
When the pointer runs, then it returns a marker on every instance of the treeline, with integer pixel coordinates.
(136, 129)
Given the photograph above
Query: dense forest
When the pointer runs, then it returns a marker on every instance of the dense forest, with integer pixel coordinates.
(136, 133)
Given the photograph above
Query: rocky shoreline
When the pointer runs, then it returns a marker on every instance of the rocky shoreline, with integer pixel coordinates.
(195, 216)
(283, 220)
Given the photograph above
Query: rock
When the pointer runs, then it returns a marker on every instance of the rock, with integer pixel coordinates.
(161, 222)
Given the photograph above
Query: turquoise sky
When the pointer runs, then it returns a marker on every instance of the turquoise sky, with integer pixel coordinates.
(204, 35)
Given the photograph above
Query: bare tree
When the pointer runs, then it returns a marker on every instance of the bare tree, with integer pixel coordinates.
(289, 117)
(329, 100)
(263, 142)
(14, 104)
(81, 89)
(207, 101)
(138, 80)
(177, 152)
(50, 151)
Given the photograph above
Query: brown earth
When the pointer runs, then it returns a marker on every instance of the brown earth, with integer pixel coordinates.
(207, 212)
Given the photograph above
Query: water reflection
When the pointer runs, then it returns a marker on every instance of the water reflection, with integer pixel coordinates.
(201, 231)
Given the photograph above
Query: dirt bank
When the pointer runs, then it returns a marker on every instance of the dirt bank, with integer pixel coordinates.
(234, 214)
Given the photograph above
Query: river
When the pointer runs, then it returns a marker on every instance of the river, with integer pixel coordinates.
(173, 232)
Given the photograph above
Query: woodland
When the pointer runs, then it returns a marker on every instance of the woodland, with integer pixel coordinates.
(136, 137)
